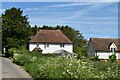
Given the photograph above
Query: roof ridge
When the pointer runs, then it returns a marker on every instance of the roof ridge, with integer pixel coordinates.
(53, 36)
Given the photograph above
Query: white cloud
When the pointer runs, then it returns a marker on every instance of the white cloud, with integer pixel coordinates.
(89, 18)
(36, 9)
(29, 9)
(32, 9)
(101, 22)
(93, 7)
(45, 21)
(69, 5)
(2, 10)
(58, 6)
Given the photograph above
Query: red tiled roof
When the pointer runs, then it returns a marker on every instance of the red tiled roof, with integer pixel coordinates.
(50, 36)
(102, 44)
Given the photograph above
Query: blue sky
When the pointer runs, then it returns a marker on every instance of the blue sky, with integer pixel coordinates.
(93, 19)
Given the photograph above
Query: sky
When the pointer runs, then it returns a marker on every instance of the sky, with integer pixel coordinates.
(93, 19)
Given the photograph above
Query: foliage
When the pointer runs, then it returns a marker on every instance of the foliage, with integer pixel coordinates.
(112, 57)
(80, 51)
(95, 58)
(15, 28)
(11, 52)
(53, 66)
(60, 67)
(22, 57)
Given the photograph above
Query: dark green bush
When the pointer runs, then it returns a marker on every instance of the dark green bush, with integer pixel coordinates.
(112, 58)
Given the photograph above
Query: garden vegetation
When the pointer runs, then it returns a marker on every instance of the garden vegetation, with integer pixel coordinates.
(56, 66)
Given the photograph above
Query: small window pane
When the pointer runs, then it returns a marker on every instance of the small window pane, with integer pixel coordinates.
(61, 45)
(47, 45)
(44, 45)
(112, 50)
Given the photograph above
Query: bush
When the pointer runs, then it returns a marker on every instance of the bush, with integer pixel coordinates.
(11, 52)
(21, 59)
(95, 58)
(81, 51)
(112, 58)
(22, 56)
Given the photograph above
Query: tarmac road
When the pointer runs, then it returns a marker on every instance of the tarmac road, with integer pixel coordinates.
(10, 70)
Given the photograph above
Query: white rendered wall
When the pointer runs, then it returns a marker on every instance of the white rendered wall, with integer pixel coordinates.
(51, 48)
(118, 55)
(105, 55)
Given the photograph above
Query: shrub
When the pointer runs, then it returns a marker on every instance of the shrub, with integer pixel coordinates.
(11, 52)
(81, 51)
(22, 57)
(112, 58)
(80, 56)
(95, 58)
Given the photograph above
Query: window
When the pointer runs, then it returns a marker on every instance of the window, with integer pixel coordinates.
(37, 45)
(61, 45)
(112, 49)
(46, 45)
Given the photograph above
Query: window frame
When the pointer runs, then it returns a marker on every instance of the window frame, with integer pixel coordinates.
(62, 45)
(46, 45)
(112, 50)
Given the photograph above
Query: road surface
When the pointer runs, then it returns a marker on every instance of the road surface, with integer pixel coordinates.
(10, 70)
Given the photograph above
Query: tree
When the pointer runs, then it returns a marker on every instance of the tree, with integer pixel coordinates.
(15, 28)
(34, 29)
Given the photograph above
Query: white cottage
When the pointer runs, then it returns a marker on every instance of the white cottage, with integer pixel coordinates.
(104, 47)
(49, 41)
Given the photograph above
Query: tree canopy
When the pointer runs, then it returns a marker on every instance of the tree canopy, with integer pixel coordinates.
(15, 28)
